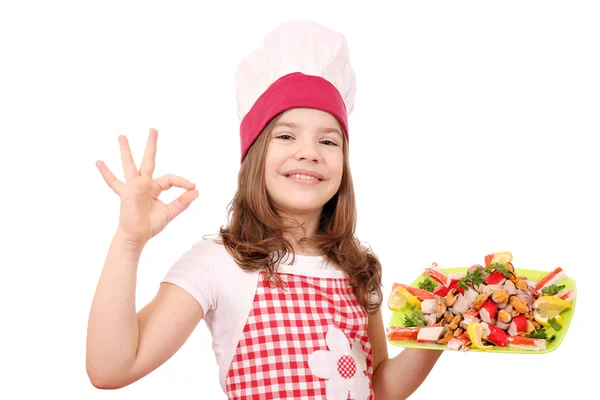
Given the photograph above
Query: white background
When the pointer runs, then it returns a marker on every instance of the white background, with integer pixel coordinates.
(475, 131)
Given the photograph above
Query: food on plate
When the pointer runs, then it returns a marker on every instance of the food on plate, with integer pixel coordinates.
(400, 296)
(484, 308)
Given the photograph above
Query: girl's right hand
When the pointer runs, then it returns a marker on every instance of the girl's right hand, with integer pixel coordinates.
(142, 214)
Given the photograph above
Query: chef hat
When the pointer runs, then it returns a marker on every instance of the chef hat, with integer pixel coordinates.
(301, 64)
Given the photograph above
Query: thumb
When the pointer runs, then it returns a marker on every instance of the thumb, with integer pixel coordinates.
(181, 203)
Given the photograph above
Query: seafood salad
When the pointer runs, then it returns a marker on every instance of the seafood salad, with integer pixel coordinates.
(485, 307)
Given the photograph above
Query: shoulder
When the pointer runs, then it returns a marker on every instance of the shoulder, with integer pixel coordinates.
(208, 247)
(209, 252)
(204, 254)
(204, 271)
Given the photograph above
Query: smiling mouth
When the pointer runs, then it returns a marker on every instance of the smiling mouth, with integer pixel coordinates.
(304, 178)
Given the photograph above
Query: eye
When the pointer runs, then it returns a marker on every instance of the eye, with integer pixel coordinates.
(329, 143)
(284, 137)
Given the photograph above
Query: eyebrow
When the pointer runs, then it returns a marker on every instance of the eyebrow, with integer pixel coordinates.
(296, 126)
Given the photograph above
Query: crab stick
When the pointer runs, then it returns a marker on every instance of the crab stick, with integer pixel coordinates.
(553, 277)
(488, 311)
(403, 332)
(441, 291)
(566, 295)
(420, 294)
(496, 278)
(471, 316)
(430, 334)
(517, 325)
(435, 273)
(494, 334)
(525, 343)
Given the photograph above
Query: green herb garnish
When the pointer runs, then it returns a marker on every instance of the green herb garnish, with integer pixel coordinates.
(475, 278)
(428, 285)
(554, 324)
(500, 268)
(415, 319)
(552, 289)
(541, 334)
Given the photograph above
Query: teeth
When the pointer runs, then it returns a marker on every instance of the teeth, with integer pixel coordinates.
(304, 177)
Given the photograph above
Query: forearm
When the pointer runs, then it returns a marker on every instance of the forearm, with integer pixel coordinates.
(397, 378)
(113, 327)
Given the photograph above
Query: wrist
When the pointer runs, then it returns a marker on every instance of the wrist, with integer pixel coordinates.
(121, 240)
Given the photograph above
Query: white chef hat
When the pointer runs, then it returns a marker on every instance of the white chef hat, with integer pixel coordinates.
(301, 64)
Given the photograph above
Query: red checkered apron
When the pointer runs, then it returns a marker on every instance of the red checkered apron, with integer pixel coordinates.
(311, 317)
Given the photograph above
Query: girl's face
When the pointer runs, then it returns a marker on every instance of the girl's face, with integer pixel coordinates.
(304, 161)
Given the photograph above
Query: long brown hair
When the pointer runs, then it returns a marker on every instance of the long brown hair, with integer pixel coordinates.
(254, 233)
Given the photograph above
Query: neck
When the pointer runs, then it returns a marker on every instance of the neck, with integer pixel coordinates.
(294, 234)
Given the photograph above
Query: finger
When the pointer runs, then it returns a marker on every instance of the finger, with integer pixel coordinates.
(168, 181)
(181, 203)
(148, 162)
(115, 184)
(127, 159)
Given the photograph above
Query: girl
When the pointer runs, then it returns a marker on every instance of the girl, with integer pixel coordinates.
(290, 296)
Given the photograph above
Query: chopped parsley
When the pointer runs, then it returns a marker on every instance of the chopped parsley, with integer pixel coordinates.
(475, 278)
(500, 268)
(479, 275)
(552, 289)
(554, 324)
(416, 318)
(428, 285)
(541, 334)
(463, 284)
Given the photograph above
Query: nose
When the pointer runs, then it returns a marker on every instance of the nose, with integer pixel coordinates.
(307, 150)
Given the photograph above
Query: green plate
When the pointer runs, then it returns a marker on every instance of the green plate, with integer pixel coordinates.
(397, 318)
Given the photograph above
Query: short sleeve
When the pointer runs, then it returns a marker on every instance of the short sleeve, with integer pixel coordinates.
(194, 273)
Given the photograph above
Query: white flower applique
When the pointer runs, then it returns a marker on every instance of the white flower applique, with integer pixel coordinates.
(342, 367)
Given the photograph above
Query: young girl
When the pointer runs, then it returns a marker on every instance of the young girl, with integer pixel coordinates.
(290, 296)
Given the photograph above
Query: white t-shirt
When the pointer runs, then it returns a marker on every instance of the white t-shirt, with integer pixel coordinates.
(226, 292)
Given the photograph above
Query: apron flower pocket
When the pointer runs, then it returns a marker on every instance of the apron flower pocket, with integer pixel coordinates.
(343, 367)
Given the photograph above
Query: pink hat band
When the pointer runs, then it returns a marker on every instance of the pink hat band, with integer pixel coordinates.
(295, 90)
